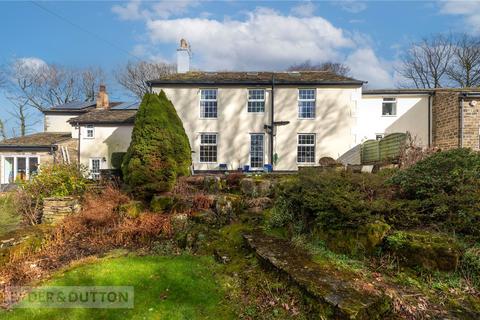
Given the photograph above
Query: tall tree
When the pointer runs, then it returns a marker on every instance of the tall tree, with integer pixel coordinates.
(425, 63)
(134, 75)
(464, 69)
(33, 85)
(334, 67)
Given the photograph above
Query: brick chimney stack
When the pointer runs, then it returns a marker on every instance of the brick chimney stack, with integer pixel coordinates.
(183, 57)
(102, 98)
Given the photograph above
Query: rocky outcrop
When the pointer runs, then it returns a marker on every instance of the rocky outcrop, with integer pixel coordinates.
(55, 209)
(256, 187)
(429, 250)
(335, 296)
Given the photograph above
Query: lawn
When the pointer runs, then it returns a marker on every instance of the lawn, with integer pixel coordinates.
(177, 287)
(9, 220)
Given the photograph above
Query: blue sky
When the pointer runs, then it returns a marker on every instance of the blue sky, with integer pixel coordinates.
(369, 36)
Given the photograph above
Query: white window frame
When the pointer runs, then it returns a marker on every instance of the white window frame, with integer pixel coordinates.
(208, 144)
(89, 128)
(389, 100)
(263, 150)
(314, 145)
(381, 135)
(256, 100)
(92, 175)
(299, 100)
(27, 157)
(202, 109)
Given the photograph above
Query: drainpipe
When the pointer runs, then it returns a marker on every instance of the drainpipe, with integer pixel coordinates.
(272, 119)
(461, 122)
(430, 120)
(78, 145)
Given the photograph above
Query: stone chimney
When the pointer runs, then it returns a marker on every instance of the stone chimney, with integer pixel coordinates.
(102, 98)
(183, 57)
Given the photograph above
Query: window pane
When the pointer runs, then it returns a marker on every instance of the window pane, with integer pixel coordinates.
(21, 168)
(8, 170)
(33, 166)
(95, 168)
(208, 147)
(389, 107)
(208, 109)
(256, 106)
(256, 150)
(306, 109)
(306, 148)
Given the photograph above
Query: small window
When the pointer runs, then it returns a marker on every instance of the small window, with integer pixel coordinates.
(306, 148)
(389, 107)
(90, 131)
(379, 136)
(208, 147)
(256, 100)
(95, 168)
(208, 103)
(306, 103)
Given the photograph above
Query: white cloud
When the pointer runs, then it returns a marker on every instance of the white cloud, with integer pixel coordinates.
(365, 65)
(130, 11)
(352, 6)
(468, 10)
(30, 63)
(264, 40)
(304, 9)
(164, 9)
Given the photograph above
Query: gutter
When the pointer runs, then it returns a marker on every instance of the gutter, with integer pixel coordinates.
(255, 83)
(430, 120)
(19, 147)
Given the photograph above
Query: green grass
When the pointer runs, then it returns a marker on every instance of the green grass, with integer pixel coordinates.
(9, 220)
(180, 287)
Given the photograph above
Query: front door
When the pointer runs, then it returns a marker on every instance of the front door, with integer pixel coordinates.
(256, 151)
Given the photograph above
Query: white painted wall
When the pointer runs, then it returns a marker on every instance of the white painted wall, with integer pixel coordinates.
(333, 124)
(108, 139)
(58, 122)
(412, 116)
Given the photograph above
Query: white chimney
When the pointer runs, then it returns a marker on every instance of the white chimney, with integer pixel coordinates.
(183, 57)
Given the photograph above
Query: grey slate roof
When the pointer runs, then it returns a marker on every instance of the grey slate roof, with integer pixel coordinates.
(36, 140)
(255, 78)
(109, 116)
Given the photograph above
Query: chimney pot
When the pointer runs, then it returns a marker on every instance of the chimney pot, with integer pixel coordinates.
(102, 98)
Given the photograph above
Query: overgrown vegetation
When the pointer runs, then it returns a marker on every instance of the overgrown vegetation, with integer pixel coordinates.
(53, 180)
(159, 151)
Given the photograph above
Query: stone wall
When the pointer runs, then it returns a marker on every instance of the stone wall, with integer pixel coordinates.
(471, 124)
(446, 119)
(55, 209)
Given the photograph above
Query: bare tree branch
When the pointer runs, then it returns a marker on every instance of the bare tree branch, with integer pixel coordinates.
(426, 62)
(464, 70)
(134, 75)
(334, 67)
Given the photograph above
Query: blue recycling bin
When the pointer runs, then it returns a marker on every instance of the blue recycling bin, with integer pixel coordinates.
(267, 168)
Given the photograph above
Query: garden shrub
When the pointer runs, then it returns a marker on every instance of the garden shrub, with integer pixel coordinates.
(442, 173)
(470, 265)
(53, 180)
(159, 151)
(117, 159)
(329, 199)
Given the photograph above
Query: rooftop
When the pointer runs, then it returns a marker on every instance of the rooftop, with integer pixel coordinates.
(420, 91)
(84, 106)
(39, 140)
(252, 78)
(109, 116)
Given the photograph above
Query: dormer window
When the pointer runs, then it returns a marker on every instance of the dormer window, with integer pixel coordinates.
(389, 107)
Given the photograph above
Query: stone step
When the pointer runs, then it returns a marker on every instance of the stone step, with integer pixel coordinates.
(335, 296)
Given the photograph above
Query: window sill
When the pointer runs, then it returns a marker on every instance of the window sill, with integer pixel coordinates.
(388, 116)
(208, 118)
(307, 118)
(89, 138)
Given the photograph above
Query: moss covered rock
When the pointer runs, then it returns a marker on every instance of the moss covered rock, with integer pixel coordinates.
(226, 208)
(159, 151)
(429, 250)
(256, 187)
(161, 203)
(359, 241)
